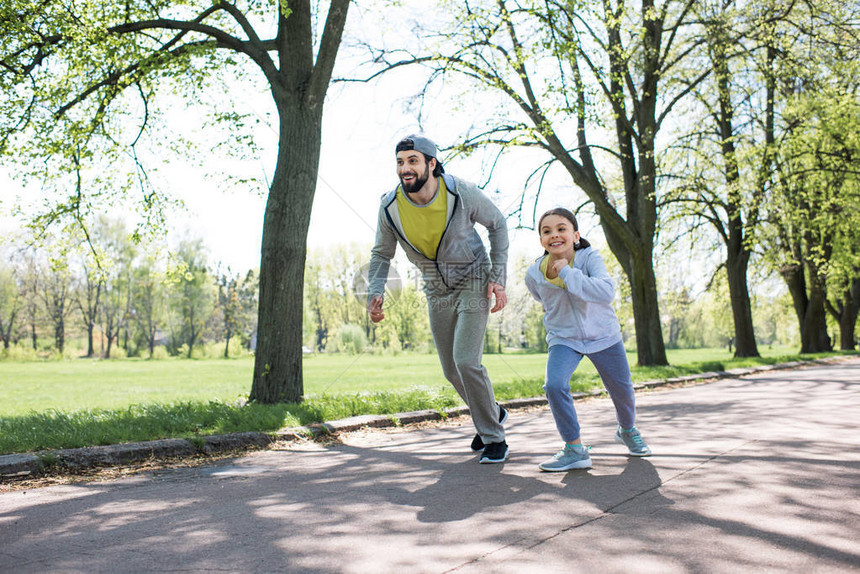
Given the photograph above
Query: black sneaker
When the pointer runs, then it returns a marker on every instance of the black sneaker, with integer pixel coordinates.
(477, 443)
(495, 452)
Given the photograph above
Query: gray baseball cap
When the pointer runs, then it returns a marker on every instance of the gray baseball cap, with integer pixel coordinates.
(420, 144)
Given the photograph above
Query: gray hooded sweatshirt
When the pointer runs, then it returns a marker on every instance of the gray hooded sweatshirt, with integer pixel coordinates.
(580, 315)
(461, 255)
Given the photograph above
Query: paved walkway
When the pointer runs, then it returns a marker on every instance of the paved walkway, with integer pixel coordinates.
(752, 474)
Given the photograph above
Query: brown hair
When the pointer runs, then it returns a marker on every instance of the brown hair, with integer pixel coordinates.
(568, 215)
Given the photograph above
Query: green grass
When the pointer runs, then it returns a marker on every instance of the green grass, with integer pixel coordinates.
(65, 404)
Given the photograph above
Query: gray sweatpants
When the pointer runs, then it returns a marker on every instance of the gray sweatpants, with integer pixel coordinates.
(458, 321)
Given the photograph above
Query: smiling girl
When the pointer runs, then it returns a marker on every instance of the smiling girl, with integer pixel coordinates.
(576, 291)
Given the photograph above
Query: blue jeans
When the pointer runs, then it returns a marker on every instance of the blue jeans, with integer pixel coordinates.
(614, 371)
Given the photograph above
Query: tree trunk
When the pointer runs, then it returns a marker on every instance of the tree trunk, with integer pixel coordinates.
(278, 359)
(636, 259)
(650, 348)
(845, 312)
(813, 333)
(60, 333)
(846, 332)
(737, 254)
(809, 308)
(191, 338)
(848, 316)
(91, 352)
(7, 332)
(737, 262)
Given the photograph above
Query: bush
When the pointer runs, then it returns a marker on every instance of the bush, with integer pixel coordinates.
(208, 351)
(118, 353)
(72, 352)
(19, 353)
(236, 348)
(160, 353)
(425, 348)
(350, 339)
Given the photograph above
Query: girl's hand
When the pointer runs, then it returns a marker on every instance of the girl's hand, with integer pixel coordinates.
(559, 264)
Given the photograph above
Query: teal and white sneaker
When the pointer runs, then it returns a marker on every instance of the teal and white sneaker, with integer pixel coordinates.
(633, 440)
(568, 458)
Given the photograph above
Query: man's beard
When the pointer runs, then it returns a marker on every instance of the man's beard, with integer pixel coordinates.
(418, 183)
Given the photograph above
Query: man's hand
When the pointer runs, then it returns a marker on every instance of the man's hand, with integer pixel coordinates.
(375, 309)
(499, 292)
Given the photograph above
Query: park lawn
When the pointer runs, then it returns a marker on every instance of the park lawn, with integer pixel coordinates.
(73, 385)
(67, 404)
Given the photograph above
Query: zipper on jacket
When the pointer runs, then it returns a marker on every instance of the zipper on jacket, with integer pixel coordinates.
(441, 237)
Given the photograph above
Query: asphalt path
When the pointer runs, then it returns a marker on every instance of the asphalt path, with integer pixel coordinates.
(760, 473)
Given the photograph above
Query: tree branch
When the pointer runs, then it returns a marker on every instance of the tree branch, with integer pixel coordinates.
(329, 43)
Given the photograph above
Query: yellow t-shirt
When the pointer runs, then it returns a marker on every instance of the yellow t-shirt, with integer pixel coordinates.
(544, 265)
(424, 224)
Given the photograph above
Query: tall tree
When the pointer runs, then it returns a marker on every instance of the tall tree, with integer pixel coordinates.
(54, 283)
(317, 305)
(30, 288)
(147, 302)
(237, 301)
(718, 193)
(83, 61)
(578, 74)
(191, 295)
(814, 214)
(811, 211)
(10, 304)
(87, 295)
(117, 262)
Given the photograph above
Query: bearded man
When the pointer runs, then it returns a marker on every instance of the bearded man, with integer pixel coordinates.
(432, 216)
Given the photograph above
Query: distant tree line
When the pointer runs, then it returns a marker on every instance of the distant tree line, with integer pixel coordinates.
(121, 300)
(336, 319)
(116, 298)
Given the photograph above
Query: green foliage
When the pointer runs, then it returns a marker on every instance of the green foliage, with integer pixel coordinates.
(19, 352)
(86, 87)
(407, 316)
(332, 407)
(118, 353)
(813, 235)
(775, 321)
(60, 429)
(192, 301)
(159, 353)
(236, 309)
(329, 298)
(350, 339)
(11, 303)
